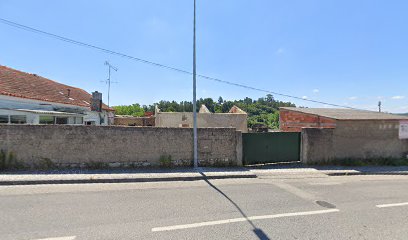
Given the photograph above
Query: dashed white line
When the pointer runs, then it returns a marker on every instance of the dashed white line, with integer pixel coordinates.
(58, 238)
(392, 205)
(234, 220)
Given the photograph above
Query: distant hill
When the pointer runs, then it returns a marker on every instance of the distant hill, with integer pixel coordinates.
(403, 114)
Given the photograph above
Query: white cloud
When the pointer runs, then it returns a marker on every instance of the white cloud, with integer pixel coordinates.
(398, 97)
(280, 51)
(316, 90)
(305, 97)
(352, 98)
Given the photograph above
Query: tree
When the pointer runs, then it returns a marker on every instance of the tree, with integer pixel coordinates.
(220, 100)
(269, 98)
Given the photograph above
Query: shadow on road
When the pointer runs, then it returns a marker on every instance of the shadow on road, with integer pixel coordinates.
(258, 232)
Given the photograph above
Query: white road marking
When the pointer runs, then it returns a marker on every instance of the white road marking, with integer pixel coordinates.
(58, 238)
(392, 205)
(234, 220)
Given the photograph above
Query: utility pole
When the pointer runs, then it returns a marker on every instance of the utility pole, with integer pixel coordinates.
(195, 93)
(108, 81)
(379, 106)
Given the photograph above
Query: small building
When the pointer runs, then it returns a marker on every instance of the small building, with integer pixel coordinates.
(236, 118)
(31, 99)
(126, 120)
(293, 119)
(345, 134)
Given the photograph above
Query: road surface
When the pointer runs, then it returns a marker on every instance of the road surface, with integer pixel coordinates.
(350, 207)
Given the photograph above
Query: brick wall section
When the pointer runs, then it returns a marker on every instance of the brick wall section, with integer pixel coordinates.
(142, 146)
(134, 121)
(353, 140)
(293, 121)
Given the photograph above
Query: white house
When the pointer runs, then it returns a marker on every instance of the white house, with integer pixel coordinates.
(30, 99)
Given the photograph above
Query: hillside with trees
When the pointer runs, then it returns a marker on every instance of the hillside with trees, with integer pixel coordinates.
(264, 110)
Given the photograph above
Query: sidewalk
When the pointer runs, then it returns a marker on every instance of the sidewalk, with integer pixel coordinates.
(300, 169)
(158, 175)
(367, 170)
(121, 176)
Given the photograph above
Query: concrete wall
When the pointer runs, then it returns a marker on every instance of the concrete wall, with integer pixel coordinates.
(293, 121)
(139, 146)
(204, 120)
(353, 140)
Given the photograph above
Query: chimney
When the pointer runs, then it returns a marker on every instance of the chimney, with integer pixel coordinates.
(96, 101)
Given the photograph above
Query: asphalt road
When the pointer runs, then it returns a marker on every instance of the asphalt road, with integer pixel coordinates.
(352, 207)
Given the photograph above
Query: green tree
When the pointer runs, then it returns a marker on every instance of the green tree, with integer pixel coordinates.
(133, 110)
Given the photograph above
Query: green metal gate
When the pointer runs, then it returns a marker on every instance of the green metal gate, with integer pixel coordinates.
(271, 147)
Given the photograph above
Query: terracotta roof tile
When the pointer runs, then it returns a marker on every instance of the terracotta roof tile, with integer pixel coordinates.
(31, 86)
(346, 114)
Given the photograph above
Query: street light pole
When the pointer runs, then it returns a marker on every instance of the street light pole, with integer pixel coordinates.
(195, 94)
(109, 78)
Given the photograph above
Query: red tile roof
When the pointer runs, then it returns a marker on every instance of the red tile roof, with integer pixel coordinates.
(31, 86)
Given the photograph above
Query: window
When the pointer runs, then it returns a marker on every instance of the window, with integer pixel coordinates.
(18, 119)
(79, 120)
(47, 120)
(4, 119)
(61, 120)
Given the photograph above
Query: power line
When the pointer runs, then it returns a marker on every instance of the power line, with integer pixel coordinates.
(68, 40)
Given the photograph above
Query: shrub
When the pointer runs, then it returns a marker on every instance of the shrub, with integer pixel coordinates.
(165, 161)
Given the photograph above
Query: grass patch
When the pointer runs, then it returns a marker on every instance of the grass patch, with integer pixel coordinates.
(45, 164)
(96, 165)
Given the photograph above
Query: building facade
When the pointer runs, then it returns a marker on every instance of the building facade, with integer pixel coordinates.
(30, 99)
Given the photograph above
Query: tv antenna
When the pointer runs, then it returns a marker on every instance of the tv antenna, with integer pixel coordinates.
(108, 81)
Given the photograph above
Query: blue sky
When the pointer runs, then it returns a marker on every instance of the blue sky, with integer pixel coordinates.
(344, 52)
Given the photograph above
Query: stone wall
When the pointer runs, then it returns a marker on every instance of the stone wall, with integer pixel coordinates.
(123, 146)
(353, 140)
(204, 120)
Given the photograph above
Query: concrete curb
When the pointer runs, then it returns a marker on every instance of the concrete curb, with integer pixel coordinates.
(123, 180)
(364, 173)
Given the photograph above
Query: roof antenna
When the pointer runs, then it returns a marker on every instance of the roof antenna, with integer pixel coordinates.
(108, 81)
(379, 106)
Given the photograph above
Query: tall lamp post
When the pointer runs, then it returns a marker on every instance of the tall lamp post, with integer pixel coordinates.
(194, 93)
